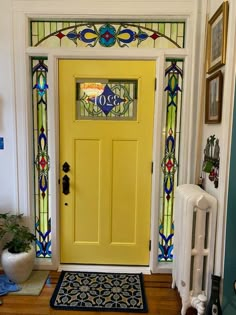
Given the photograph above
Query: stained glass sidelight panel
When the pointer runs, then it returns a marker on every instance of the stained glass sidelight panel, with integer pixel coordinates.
(54, 34)
(41, 158)
(169, 165)
(106, 99)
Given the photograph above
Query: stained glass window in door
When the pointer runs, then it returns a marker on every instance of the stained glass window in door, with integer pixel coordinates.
(106, 99)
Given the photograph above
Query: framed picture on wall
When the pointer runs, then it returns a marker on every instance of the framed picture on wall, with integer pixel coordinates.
(213, 106)
(217, 38)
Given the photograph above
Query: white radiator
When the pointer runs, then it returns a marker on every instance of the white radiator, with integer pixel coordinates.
(194, 240)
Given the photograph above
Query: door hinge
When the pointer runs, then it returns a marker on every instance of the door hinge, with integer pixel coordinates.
(152, 168)
(59, 181)
(150, 245)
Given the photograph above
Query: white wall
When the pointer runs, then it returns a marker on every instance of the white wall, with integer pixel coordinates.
(8, 171)
(222, 131)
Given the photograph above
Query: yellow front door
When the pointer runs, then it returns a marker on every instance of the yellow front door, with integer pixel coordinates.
(106, 126)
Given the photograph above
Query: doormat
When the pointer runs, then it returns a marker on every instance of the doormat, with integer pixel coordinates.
(93, 291)
(34, 285)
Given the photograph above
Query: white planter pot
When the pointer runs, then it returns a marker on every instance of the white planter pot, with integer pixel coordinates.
(18, 267)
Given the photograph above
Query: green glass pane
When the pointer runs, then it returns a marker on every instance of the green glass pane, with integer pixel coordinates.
(47, 29)
(41, 30)
(161, 28)
(53, 27)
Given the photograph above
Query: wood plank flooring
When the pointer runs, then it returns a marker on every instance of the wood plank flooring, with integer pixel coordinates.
(161, 299)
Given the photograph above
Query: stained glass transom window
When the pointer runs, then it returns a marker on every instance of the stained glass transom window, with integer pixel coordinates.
(53, 34)
(41, 157)
(169, 165)
(106, 99)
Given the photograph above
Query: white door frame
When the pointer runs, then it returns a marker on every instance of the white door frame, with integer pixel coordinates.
(23, 10)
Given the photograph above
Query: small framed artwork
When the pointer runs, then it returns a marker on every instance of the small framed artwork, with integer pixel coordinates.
(213, 106)
(217, 38)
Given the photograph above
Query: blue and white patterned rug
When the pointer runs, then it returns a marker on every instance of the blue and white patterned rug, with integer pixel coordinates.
(94, 291)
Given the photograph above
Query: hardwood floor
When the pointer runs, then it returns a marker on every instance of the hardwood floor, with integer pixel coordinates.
(162, 300)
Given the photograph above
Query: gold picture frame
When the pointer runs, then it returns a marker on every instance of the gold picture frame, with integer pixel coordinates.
(217, 38)
(213, 106)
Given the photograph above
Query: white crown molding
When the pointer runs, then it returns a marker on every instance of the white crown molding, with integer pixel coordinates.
(157, 9)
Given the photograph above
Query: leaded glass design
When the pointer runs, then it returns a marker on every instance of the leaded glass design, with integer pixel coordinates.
(54, 34)
(41, 157)
(106, 99)
(169, 165)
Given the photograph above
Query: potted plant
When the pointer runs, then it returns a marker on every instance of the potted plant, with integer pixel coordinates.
(18, 253)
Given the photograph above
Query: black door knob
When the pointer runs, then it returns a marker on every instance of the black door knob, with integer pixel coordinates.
(66, 185)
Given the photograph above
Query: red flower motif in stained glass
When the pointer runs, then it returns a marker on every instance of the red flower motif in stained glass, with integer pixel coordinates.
(169, 165)
(43, 163)
(107, 35)
(60, 35)
(154, 36)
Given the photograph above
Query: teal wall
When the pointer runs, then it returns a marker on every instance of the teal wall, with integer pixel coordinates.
(229, 296)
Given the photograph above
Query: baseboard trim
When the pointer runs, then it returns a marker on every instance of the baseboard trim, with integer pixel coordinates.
(102, 268)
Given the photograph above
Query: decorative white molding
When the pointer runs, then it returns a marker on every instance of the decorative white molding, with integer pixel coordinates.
(23, 117)
(111, 53)
(196, 66)
(157, 148)
(53, 151)
(107, 9)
